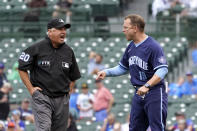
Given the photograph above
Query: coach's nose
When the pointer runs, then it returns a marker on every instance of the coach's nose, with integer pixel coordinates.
(124, 29)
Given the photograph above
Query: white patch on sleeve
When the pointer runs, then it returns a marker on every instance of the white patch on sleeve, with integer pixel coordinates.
(162, 60)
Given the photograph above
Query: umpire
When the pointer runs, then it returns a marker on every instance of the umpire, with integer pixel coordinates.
(53, 71)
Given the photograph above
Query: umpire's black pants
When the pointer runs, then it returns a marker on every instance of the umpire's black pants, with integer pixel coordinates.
(51, 114)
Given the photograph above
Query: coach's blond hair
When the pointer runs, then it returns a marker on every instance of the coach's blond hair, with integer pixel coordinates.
(137, 20)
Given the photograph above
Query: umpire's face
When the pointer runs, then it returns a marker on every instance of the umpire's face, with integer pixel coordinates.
(57, 35)
(129, 30)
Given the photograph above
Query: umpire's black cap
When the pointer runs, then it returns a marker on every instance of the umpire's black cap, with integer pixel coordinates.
(57, 23)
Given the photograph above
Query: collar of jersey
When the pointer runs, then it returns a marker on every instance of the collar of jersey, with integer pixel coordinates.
(50, 43)
(136, 45)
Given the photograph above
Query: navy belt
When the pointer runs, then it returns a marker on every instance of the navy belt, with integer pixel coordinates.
(137, 87)
(152, 88)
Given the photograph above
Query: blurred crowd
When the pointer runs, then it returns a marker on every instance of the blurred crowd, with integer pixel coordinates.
(61, 8)
(182, 7)
(83, 103)
(184, 86)
(12, 119)
(182, 123)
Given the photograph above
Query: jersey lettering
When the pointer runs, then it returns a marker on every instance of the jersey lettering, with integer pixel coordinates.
(138, 61)
(24, 57)
(44, 63)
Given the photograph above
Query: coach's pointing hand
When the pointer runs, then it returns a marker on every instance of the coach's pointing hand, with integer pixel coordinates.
(100, 75)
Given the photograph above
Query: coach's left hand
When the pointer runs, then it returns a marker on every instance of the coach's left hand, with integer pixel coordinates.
(142, 91)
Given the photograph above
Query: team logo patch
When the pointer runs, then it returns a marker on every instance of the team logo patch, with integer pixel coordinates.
(162, 60)
(129, 50)
(60, 20)
(64, 64)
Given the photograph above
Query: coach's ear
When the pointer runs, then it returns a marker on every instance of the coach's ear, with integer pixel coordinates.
(135, 28)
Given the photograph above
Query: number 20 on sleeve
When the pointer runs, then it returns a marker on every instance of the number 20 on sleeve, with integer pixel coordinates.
(24, 57)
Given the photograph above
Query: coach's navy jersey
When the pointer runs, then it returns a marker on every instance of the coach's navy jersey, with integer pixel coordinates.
(143, 61)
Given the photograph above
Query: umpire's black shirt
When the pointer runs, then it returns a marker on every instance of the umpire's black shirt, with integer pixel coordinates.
(50, 68)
